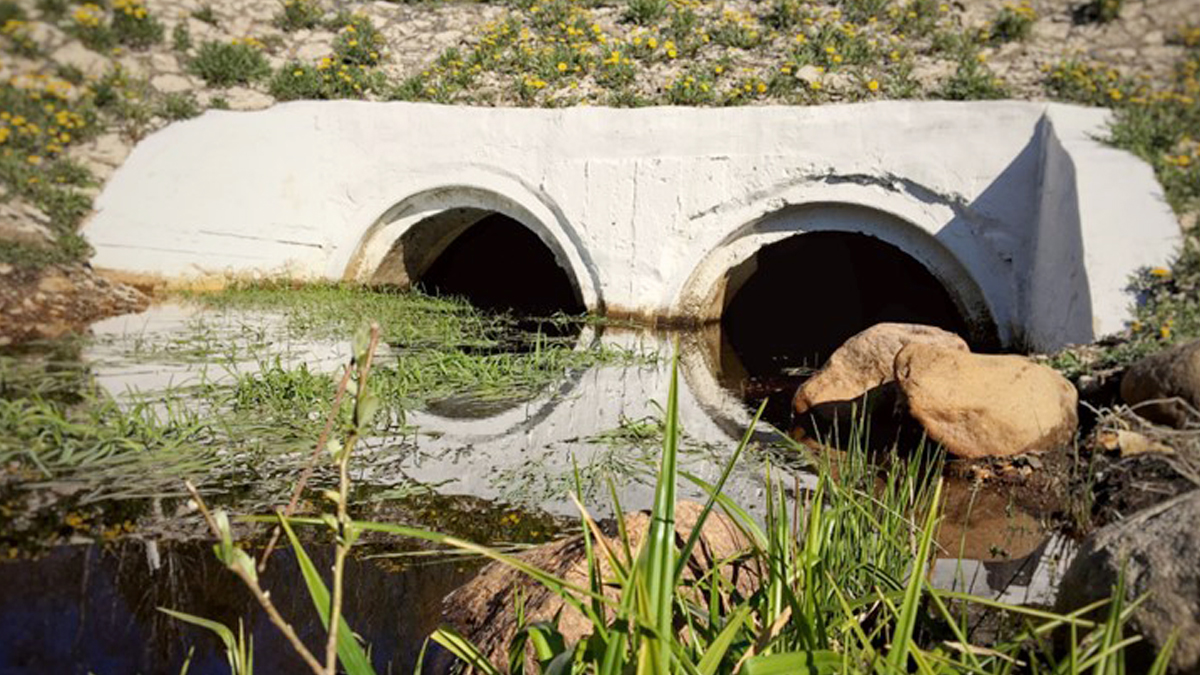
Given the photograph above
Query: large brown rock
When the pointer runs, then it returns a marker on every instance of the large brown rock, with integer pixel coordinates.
(1160, 551)
(864, 362)
(1165, 387)
(483, 609)
(983, 405)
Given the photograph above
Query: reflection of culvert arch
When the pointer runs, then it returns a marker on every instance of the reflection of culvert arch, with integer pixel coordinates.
(812, 248)
(468, 426)
(500, 252)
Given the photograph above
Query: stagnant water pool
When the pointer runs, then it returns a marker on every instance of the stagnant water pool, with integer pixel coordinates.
(485, 448)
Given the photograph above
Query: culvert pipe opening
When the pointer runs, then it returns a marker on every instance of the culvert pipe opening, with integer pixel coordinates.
(795, 301)
(499, 264)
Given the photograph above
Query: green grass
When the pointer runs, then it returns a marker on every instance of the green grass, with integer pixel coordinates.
(296, 15)
(297, 80)
(1013, 22)
(224, 64)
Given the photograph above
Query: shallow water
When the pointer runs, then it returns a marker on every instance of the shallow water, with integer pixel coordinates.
(466, 464)
(94, 609)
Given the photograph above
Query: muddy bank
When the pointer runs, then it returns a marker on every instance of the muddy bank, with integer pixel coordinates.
(51, 302)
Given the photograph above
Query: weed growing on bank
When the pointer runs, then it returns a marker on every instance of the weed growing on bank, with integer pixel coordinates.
(224, 64)
(128, 24)
(296, 15)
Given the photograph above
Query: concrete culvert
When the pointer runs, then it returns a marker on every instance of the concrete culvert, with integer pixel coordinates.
(795, 301)
(495, 262)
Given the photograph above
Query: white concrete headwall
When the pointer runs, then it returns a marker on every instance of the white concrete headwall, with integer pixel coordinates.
(1033, 225)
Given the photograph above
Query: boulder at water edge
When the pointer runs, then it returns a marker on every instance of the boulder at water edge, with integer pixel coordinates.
(864, 362)
(484, 608)
(979, 405)
(1160, 549)
(1171, 379)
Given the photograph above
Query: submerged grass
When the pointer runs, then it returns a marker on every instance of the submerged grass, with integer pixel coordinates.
(252, 393)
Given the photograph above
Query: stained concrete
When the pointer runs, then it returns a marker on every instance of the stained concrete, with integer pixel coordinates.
(1032, 224)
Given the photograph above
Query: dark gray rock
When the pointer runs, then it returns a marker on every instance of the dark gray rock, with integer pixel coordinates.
(1162, 547)
(1170, 374)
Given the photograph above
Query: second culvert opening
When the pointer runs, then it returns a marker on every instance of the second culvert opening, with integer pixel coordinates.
(805, 295)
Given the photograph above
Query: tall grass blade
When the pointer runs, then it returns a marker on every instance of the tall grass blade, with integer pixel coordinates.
(350, 652)
(236, 652)
(714, 654)
(685, 553)
(794, 663)
(906, 621)
(659, 551)
(464, 649)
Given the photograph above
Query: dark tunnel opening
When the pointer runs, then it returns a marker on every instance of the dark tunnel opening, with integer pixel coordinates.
(500, 265)
(805, 295)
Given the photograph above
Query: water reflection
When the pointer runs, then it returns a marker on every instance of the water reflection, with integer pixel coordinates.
(87, 607)
(92, 609)
(602, 419)
(989, 546)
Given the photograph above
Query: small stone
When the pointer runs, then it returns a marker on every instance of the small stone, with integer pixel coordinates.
(931, 74)
(242, 98)
(979, 405)
(164, 62)
(808, 74)
(170, 83)
(5, 269)
(1165, 387)
(315, 49)
(75, 54)
(483, 609)
(109, 149)
(55, 283)
(134, 66)
(35, 214)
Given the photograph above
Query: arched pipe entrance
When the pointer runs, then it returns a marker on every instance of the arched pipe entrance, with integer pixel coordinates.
(407, 239)
(726, 268)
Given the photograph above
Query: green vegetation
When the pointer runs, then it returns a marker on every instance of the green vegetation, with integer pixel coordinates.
(648, 52)
(973, 80)
(223, 64)
(206, 14)
(181, 38)
(645, 12)
(179, 106)
(839, 587)
(299, 15)
(1101, 11)
(129, 25)
(1013, 22)
(255, 401)
(40, 117)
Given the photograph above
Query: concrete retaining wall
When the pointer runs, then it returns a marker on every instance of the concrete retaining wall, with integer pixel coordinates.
(1032, 225)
